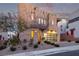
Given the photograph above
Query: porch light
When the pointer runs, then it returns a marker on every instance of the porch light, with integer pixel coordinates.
(45, 34)
(54, 32)
(52, 22)
(49, 31)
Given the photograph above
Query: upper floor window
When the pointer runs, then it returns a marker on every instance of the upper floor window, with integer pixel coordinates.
(52, 22)
(32, 16)
(41, 21)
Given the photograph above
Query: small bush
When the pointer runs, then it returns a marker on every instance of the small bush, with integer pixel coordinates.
(69, 40)
(47, 42)
(52, 43)
(24, 47)
(76, 41)
(2, 47)
(36, 46)
(12, 49)
(43, 38)
(56, 45)
(5, 43)
(39, 42)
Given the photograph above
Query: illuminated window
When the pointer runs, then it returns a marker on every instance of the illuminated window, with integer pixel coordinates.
(52, 22)
(32, 16)
(39, 21)
(42, 21)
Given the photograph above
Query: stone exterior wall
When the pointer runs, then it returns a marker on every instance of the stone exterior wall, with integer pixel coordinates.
(26, 10)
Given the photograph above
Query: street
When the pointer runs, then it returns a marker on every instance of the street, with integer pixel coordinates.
(71, 53)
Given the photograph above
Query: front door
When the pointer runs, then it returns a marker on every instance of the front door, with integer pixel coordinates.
(36, 36)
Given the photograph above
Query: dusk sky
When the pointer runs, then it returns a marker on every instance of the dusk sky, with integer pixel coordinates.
(58, 7)
(4, 7)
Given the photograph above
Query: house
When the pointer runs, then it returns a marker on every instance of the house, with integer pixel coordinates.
(38, 21)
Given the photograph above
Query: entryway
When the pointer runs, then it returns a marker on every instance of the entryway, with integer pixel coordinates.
(36, 36)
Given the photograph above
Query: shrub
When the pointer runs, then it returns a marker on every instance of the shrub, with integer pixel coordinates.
(43, 38)
(14, 41)
(36, 46)
(12, 49)
(56, 45)
(2, 47)
(5, 43)
(24, 47)
(39, 42)
(47, 42)
(52, 43)
(76, 41)
(69, 40)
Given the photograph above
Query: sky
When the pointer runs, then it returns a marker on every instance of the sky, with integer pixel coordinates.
(5, 7)
(58, 8)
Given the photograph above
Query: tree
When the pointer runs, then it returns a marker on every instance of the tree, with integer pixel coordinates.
(21, 25)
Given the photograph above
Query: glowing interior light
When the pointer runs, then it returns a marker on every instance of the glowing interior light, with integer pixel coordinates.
(32, 34)
(42, 21)
(39, 21)
(49, 31)
(32, 16)
(52, 22)
(45, 34)
(54, 32)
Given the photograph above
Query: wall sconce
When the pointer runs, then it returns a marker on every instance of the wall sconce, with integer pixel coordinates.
(52, 22)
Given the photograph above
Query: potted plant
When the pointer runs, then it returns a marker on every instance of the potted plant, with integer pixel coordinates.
(36, 46)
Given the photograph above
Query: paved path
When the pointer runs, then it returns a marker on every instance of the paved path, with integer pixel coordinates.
(40, 48)
(70, 53)
(48, 51)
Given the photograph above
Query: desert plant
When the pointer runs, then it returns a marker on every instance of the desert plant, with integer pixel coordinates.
(12, 49)
(43, 38)
(14, 41)
(47, 42)
(39, 42)
(2, 47)
(36, 46)
(24, 47)
(69, 40)
(56, 45)
(31, 42)
(52, 43)
(77, 41)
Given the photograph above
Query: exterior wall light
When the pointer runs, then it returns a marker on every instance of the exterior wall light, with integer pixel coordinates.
(52, 22)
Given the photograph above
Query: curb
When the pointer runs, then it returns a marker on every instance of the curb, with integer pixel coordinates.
(48, 51)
